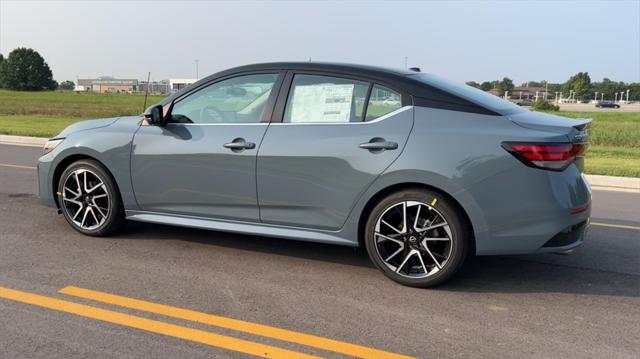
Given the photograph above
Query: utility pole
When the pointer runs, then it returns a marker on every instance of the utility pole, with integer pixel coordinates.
(615, 97)
(595, 97)
(146, 93)
(196, 61)
(601, 96)
(627, 95)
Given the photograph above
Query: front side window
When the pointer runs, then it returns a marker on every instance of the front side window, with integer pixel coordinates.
(382, 101)
(325, 99)
(240, 99)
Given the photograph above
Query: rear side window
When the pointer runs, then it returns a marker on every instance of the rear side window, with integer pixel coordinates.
(382, 101)
(474, 95)
(325, 99)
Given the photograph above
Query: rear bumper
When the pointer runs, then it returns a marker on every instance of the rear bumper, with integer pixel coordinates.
(539, 212)
(568, 239)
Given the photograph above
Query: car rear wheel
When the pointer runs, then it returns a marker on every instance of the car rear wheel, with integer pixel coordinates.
(89, 199)
(416, 237)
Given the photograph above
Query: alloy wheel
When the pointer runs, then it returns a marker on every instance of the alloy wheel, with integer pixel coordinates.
(413, 239)
(85, 199)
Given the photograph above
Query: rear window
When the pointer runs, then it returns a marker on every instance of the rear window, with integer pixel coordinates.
(382, 101)
(472, 94)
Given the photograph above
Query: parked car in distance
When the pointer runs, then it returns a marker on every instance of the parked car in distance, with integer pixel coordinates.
(607, 104)
(419, 170)
(524, 102)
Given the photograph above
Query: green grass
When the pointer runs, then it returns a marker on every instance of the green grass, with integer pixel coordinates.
(38, 126)
(614, 142)
(44, 114)
(613, 161)
(71, 105)
(617, 129)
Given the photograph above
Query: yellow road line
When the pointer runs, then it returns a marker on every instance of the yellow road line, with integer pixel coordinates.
(154, 326)
(17, 166)
(615, 226)
(234, 324)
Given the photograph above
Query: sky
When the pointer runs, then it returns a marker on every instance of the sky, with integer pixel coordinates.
(461, 40)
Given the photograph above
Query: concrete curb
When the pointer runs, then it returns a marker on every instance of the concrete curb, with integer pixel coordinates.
(23, 140)
(611, 182)
(598, 181)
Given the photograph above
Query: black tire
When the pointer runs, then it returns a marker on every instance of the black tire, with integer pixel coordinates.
(441, 205)
(114, 219)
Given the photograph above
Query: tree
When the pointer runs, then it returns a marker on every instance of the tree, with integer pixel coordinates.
(67, 85)
(1, 60)
(544, 105)
(533, 84)
(580, 83)
(25, 70)
(473, 84)
(486, 86)
(553, 88)
(503, 86)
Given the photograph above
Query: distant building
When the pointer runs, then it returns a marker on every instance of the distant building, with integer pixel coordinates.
(521, 92)
(161, 87)
(524, 93)
(106, 84)
(493, 91)
(176, 85)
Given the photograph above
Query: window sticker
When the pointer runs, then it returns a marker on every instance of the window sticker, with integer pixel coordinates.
(322, 103)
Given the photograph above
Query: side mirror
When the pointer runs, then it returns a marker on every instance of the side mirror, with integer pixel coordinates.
(156, 117)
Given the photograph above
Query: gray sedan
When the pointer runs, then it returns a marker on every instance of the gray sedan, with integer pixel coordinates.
(419, 170)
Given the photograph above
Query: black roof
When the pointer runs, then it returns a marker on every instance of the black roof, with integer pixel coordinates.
(324, 66)
(419, 93)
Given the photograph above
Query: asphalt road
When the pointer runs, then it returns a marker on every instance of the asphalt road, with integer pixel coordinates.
(585, 305)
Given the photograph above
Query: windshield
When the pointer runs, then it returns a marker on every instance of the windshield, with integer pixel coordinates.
(472, 94)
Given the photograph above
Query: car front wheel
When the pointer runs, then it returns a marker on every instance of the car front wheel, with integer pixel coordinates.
(89, 199)
(416, 237)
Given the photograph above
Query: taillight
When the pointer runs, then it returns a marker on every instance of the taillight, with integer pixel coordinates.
(548, 156)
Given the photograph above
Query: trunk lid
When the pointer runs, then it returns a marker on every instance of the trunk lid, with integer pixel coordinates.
(576, 130)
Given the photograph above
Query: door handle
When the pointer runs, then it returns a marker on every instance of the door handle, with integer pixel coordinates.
(239, 144)
(378, 144)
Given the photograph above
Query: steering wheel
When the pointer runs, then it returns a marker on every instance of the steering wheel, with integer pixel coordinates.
(211, 114)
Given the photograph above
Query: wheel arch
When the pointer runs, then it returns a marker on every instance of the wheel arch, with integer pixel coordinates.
(382, 193)
(66, 162)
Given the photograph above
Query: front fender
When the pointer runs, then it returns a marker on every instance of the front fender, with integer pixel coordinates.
(111, 146)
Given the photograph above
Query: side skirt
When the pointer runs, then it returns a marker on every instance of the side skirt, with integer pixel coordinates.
(295, 233)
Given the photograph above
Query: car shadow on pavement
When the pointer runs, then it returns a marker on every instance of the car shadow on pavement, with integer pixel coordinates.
(270, 245)
(535, 274)
(521, 274)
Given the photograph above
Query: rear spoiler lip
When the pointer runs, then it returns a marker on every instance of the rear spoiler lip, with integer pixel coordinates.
(581, 135)
(584, 123)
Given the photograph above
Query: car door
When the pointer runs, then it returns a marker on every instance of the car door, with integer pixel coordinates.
(202, 162)
(329, 139)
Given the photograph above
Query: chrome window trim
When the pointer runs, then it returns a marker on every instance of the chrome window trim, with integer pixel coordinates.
(219, 124)
(379, 119)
